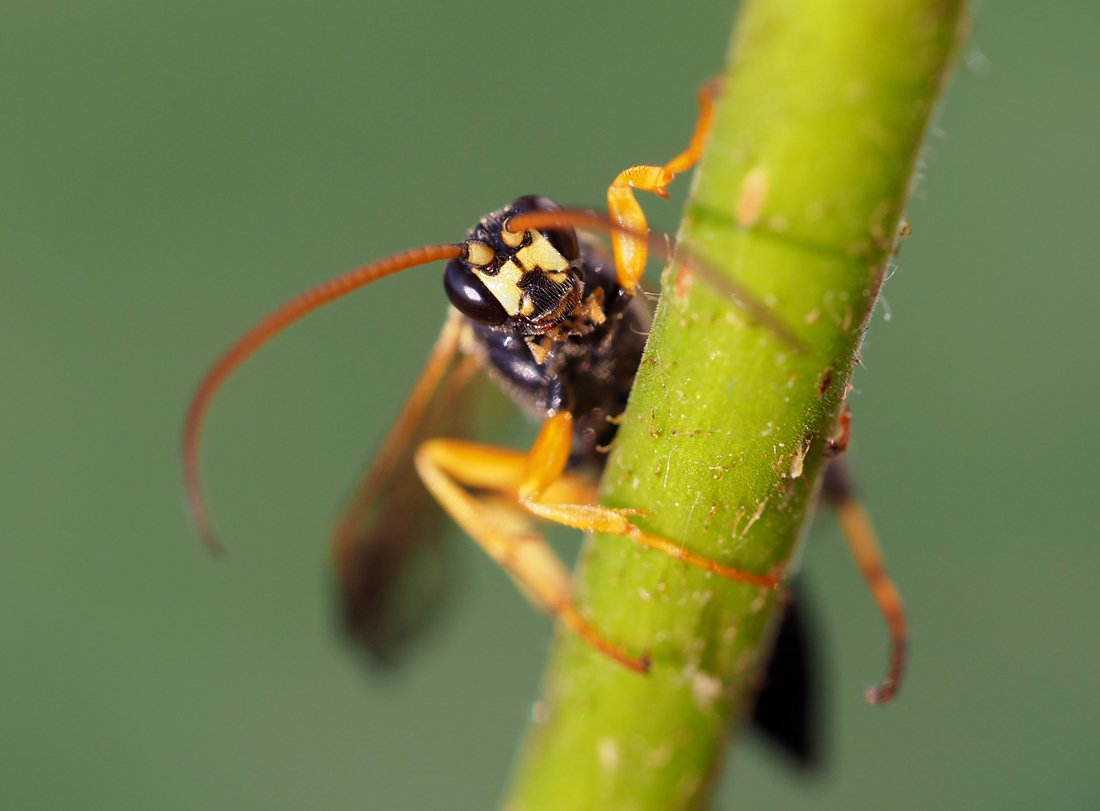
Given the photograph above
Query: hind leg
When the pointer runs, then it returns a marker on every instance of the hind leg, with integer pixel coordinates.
(447, 467)
(536, 484)
(860, 536)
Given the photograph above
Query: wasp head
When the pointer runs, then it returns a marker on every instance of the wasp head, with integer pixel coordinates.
(524, 281)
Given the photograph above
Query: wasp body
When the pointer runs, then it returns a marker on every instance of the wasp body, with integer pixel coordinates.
(554, 319)
(578, 347)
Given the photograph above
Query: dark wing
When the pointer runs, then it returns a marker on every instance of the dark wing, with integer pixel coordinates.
(788, 707)
(388, 544)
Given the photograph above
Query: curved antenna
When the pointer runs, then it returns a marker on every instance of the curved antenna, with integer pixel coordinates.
(260, 334)
(660, 244)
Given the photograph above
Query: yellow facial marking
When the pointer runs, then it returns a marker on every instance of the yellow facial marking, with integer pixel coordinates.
(479, 254)
(504, 285)
(538, 256)
(542, 255)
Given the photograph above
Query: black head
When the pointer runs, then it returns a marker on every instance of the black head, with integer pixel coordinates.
(528, 281)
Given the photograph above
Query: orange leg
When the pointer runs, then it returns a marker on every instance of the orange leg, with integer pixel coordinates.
(444, 466)
(630, 252)
(545, 467)
(860, 536)
(536, 482)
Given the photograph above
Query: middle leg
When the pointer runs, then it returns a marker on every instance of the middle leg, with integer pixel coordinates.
(540, 493)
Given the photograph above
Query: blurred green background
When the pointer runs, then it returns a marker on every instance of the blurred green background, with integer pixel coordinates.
(172, 171)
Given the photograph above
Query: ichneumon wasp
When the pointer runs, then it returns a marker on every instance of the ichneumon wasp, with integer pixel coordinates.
(539, 306)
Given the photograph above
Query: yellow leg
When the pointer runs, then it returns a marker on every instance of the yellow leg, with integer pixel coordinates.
(508, 539)
(537, 483)
(630, 252)
(545, 467)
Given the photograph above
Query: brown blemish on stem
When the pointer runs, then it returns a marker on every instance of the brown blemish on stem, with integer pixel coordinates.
(683, 281)
(693, 433)
(838, 442)
(750, 199)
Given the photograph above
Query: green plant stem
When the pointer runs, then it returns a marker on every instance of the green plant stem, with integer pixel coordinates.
(799, 199)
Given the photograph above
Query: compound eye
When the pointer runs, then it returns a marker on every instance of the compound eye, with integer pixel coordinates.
(470, 297)
(564, 240)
